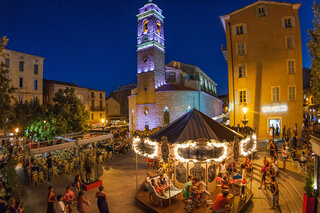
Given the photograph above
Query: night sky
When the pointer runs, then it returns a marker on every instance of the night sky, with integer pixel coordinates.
(93, 42)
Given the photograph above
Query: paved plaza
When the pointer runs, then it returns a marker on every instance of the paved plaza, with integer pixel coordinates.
(119, 180)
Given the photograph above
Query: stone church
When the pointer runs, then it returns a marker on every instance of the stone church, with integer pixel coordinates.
(165, 91)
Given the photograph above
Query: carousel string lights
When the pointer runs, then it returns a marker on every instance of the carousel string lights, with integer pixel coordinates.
(136, 142)
(245, 142)
(191, 143)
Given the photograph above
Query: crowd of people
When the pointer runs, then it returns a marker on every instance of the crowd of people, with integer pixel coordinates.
(63, 202)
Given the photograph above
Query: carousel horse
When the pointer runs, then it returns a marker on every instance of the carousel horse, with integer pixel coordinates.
(34, 178)
(71, 167)
(41, 177)
(54, 171)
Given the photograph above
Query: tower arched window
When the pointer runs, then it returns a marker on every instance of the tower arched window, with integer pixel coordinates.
(158, 27)
(145, 26)
(166, 116)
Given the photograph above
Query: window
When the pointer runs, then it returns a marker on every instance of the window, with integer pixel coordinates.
(20, 98)
(36, 69)
(261, 11)
(21, 66)
(242, 70)
(92, 116)
(239, 29)
(92, 103)
(100, 115)
(7, 62)
(289, 42)
(287, 23)
(100, 105)
(242, 96)
(240, 48)
(291, 66)
(20, 82)
(275, 94)
(145, 26)
(35, 84)
(92, 94)
(292, 93)
(100, 95)
(158, 27)
(35, 99)
(172, 77)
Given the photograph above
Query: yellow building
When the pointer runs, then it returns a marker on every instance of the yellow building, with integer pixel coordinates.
(93, 100)
(265, 65)
(25, 73)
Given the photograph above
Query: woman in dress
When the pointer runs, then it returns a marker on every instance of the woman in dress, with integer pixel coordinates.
(77, 184)
(51, 200)
(83, 203)
(284, 155)
(102, 200)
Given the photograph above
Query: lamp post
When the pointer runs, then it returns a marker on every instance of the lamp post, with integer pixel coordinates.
(245, 120)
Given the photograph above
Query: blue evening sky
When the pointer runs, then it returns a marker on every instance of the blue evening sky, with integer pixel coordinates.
(93, 42)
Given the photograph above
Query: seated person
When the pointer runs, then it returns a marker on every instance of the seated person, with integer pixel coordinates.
(303, 158)
(163, 183)
(158, 189)
(225, 183)
(230, 166)
(222, 199)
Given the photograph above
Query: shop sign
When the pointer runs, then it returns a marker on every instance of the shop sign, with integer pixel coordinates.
(277, 108)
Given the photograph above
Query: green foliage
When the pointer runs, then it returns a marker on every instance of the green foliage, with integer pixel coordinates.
(70, 113)
(314, 51)
(41, 130)
(308, 188)
(6, 89)
(27, 113)
(11, 178)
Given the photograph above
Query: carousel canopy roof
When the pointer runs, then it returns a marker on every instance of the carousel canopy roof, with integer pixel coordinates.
(194, 125)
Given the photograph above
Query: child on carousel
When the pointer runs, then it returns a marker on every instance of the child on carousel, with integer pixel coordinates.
(158, 189)
(163, 183)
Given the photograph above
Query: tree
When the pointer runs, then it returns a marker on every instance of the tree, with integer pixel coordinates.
(6, 89)
(41, 130)
(314, 51)
(69, 112)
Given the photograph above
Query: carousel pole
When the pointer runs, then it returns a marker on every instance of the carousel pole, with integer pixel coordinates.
(251, 172)
(137, 173)
(206, 175)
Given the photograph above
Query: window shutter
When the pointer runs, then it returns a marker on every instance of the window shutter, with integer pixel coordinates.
(233, 30)
(248, 96)
(244, 70)
(266, 10)
(236, 71)
(257, 12)
(283, 23)
(293, 22)
(236, 97)
(245, 28)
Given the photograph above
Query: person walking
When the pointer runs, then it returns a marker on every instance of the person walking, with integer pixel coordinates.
(284, 133)
(83, 203)
(275, 192)
(68, 198)
(51, 200)
(102, 200)
(263, 173)
(284, 155)
(77, 184)
(289, 133)
(277, 130)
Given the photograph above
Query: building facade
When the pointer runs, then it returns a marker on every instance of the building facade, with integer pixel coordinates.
(26, 74)
(265, 65)
(93, 100)
(165, 92)
(117, 105)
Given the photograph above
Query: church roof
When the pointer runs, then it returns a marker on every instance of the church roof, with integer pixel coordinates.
(194, 125)
(192, 70)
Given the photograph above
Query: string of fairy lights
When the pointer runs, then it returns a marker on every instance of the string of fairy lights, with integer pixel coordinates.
(244, 150)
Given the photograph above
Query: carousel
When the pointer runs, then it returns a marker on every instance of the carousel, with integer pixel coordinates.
(195, 145)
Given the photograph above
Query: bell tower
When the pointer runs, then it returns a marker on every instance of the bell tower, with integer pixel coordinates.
(150, 52)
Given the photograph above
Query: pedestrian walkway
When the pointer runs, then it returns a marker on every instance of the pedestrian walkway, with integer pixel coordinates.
(119, 180)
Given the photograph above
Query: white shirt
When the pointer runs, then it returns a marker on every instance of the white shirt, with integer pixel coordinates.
(61, 208)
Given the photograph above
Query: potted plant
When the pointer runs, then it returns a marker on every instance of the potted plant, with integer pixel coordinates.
(308, 197)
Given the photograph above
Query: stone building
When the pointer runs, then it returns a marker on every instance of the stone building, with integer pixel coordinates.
(92, 99)
(265, 65)
(117, 105)
(165, 92)
(25, 73)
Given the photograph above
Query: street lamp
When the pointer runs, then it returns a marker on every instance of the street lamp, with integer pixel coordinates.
(244, 121)
(16, 130)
